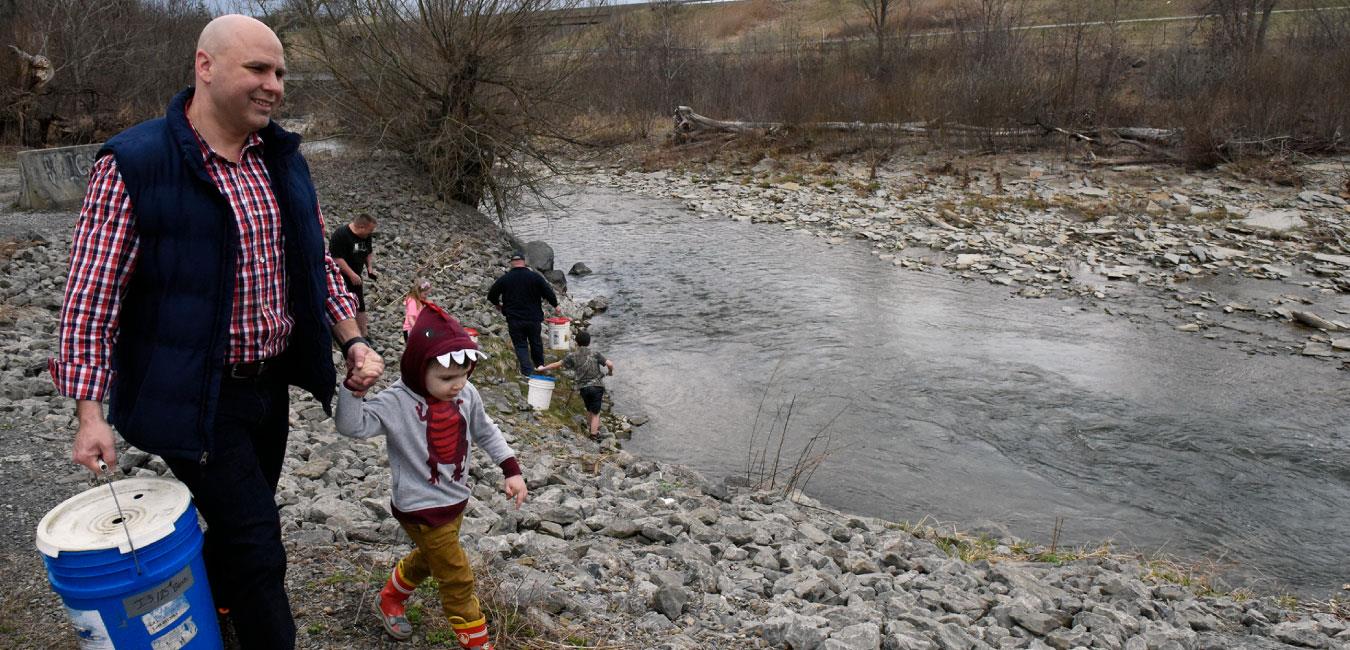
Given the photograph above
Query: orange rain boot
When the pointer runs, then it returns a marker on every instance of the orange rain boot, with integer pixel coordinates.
(389, 606)
(472, 634)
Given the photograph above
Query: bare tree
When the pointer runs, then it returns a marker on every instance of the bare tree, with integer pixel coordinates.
(668, 43)
(468, 88)
(109, 64)
(879, 23)
(1240, 25)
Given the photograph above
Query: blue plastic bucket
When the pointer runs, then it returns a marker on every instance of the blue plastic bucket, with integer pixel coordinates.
(156, 597)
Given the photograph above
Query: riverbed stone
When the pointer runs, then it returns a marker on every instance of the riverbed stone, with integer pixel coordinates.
(1275, 221)
(793, 631)
(1304, 634)
(617, 542)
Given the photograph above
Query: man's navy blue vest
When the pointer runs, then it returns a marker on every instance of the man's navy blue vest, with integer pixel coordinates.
(174, 326)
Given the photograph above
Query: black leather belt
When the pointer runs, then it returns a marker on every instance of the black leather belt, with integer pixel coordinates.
(249, 369)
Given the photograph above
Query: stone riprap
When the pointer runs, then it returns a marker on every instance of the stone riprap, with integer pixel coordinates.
(1044, 229)
(617, 549)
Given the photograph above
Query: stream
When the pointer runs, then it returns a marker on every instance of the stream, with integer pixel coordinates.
(938, 399)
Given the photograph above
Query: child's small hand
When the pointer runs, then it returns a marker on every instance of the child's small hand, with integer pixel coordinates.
(515, 489)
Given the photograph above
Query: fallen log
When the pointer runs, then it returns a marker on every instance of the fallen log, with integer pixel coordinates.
(1153, 142)
(688, 121)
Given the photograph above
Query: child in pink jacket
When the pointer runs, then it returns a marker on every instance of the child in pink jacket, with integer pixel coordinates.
(413, 302)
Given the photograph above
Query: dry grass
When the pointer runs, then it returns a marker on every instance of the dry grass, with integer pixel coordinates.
(1167, 74)
(739, 18)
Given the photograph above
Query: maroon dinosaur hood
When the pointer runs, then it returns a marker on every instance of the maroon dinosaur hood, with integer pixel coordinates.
(435, 335)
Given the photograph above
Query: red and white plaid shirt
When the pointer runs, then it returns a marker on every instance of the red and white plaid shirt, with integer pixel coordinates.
(103, 256)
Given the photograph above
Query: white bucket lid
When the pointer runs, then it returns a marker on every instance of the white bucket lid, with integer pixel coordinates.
(89, 520)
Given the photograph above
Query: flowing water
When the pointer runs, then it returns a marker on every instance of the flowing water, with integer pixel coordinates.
(952, 400)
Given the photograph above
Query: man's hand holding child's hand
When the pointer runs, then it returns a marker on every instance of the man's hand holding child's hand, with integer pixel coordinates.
(364, 367)
(515, 488)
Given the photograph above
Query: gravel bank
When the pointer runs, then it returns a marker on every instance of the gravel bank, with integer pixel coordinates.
(611, 549)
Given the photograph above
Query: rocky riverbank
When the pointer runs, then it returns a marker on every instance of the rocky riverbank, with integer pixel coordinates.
(611, 550)
(1244, 263)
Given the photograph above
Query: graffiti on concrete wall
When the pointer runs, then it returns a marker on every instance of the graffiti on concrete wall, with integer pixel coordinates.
(67, 168)
(54, 178)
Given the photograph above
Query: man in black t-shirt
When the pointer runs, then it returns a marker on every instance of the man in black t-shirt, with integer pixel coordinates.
(351, 246)
(517, 294)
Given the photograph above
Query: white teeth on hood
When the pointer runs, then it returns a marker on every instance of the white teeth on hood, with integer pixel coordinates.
(459, 355)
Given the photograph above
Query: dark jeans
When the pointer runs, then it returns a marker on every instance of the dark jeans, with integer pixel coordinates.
(529, 347)
(234, 491)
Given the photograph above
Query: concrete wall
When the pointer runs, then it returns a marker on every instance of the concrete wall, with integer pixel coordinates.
(54, 178)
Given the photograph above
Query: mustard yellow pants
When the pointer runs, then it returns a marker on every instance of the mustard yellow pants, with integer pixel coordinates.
(439, 555)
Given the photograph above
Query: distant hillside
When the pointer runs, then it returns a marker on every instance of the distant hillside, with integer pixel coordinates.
(727, 25)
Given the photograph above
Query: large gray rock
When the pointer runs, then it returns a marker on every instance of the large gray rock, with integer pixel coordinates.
(334, 511)
(794, 631)
(1301, 633)
(1275, 221)
(670, 600)
(861, 636)
(557, 278)
(539, 255)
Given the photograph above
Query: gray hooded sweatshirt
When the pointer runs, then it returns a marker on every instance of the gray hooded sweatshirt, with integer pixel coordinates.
(424, 489)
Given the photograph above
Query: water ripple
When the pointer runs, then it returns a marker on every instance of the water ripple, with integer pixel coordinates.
(959, 401)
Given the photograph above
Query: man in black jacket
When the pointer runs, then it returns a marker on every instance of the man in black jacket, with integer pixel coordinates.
(517, 294)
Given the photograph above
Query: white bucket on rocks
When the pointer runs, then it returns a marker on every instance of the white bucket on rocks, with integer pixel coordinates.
(541, 392)
(559, 331)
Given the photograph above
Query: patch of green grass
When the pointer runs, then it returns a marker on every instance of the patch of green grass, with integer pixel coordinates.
(315, 629)
(415, 613)
(1198, 578)
(1287, 601)
(429, 588)
(442, 635)
(968, 549)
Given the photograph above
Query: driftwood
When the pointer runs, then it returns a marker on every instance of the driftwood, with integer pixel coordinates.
(1313, 320)
(1147, 139)
(687, 121)
(1157, 144)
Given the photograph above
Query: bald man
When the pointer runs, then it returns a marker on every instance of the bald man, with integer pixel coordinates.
(199, 290)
